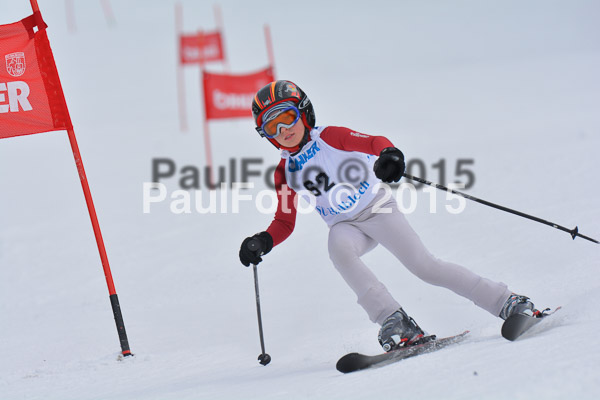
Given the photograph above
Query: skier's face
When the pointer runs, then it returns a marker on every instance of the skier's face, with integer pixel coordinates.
(291, 137)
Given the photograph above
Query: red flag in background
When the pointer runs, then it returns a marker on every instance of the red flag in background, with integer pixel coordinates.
(201, 48)
(31, 97)
(230, 96)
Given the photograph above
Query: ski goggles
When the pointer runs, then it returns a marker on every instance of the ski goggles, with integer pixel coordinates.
(284, 118)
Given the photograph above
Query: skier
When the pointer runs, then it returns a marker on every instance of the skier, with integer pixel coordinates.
(338, 170)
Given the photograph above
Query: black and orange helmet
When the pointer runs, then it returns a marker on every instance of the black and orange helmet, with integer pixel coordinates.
(278, 92)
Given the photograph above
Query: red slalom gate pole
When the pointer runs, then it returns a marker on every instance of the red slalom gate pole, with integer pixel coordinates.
(70, 12)
(207, 145)
(183, 126)
(221, 30)
(114, 300)
(269, 44)
(108, 12)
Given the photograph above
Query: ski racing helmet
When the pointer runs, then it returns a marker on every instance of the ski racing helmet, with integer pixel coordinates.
(283, 92)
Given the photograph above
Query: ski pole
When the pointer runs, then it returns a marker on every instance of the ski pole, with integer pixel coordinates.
(263, 358)
(573, 232)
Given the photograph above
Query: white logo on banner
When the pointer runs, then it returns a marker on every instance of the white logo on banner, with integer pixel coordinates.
(231, 101)
(15, 63)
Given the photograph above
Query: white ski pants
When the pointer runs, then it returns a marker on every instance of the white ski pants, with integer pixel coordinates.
(349, 240)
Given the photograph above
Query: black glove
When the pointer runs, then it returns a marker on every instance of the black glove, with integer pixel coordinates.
(250, 253)
(389, 167)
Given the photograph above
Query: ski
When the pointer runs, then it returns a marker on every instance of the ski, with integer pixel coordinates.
(355, 361)
(517, 324)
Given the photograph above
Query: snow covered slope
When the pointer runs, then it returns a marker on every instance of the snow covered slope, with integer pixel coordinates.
(512, 85)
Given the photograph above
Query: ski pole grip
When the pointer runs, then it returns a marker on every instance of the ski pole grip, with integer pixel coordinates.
(253, 245)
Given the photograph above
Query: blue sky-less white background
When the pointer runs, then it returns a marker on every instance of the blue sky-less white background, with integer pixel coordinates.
(513, 85)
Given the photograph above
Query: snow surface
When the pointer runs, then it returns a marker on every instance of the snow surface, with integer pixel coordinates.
(513, 85)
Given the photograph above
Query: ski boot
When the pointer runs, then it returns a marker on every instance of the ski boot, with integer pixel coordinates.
(400, 330)
(518, 304)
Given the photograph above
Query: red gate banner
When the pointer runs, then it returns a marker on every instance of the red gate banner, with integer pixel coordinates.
(32, 101)
(31, 97)
(230, 96)
(200, 48)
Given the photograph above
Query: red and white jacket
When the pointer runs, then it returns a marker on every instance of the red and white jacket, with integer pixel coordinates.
(333, 172)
